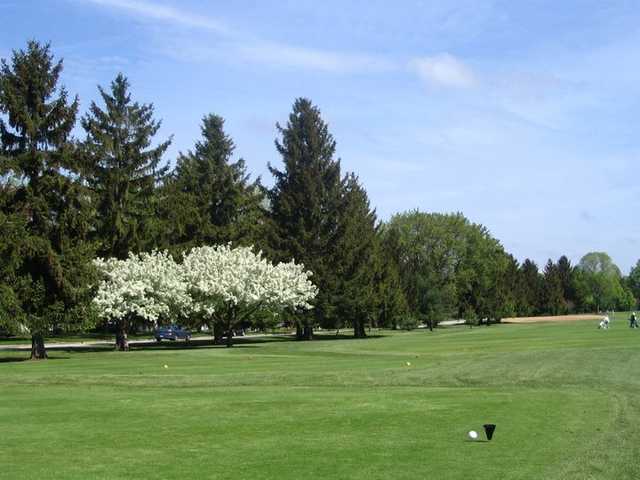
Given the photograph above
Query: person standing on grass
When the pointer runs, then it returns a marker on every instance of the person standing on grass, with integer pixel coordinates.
(633, 321)
(604, 323)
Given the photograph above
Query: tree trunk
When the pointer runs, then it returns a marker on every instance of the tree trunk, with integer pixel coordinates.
(304, 332)
(218, 333)
(231, 321)
(122, 342)
(38, 350)
(358, 329)
(307, 332)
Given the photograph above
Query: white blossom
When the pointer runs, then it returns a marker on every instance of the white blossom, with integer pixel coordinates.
(210, 280)
(149, 285)
(222, 276)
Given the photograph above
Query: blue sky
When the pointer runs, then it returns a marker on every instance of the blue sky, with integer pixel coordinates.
(522, 115)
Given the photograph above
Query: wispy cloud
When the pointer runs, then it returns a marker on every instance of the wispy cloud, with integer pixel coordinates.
(444, 70)
(276, 54)
(164, 13)
(246, 47)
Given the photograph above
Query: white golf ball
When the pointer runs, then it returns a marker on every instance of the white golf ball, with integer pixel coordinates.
(473, 435)
(166, 366)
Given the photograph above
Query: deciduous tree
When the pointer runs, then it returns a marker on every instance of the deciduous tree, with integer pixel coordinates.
(633, 281)
(450, 267)
(229, 285)
(147, 286)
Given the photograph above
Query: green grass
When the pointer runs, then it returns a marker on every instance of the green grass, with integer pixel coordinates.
(565, 398)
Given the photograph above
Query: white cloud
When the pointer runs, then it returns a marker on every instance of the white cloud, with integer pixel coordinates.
(276, 54)
(154, 11)
(443, 70)
(246, 47)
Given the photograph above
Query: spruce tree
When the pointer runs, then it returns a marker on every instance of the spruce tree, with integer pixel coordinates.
(355, 260)
(123, 170)
(392, 307)
(566, 273)
(48, 270)
(305, 204)
(13, 283)
(209, 199)
(531, 285)
(508, 285)
(552, 292)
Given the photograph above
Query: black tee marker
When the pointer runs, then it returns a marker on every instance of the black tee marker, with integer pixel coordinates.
(489, 428)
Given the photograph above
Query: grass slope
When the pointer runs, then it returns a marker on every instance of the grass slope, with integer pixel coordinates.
(564, 397)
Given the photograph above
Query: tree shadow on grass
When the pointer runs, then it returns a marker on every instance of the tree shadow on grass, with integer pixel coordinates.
(247, 341)
(13, 359)
(238, 342)
(325, 337)
(82, 349)
(152, 345)
(27, 359)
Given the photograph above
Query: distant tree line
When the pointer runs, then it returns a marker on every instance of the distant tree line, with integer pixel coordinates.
(65, 201)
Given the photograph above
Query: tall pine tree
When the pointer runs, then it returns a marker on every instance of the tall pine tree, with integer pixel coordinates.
(123, 170)
(531, 288)
(391, 308)
(355, 260)
(553, 300)
(566, 273)
(209, 199)
(49, 269)
(509, 287)
(305, 204)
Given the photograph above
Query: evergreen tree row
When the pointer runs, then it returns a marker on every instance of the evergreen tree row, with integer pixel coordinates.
(594, 285)
(66, 200)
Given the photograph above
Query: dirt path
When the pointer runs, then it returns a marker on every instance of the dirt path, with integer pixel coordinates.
(559, 318)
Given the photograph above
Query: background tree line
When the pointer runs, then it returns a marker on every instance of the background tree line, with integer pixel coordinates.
(65, 200)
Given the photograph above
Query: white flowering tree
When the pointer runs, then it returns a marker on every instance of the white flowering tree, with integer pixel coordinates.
(228, 285)
(150, 286)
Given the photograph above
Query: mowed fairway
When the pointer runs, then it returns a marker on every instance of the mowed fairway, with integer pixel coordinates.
(565, 398)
